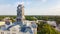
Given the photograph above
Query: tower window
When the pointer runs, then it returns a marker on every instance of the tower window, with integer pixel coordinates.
(7, 23)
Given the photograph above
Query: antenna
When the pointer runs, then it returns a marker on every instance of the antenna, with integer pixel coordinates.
(20, 2)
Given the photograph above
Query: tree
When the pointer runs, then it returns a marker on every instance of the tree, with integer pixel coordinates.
(31, 18)
(11, 18)
(44, 28)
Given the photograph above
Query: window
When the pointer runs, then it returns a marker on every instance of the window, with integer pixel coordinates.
(8, 33)
(13, 33)
(2, 32)
(7, 23)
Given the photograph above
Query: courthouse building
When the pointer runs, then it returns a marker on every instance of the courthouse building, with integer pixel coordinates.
(21, 26)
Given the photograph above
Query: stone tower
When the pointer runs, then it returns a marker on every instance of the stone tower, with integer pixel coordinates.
(20, 13)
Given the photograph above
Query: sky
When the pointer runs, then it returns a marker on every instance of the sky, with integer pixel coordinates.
(31, 7)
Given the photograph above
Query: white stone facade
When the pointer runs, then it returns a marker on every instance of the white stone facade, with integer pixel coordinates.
(12, 32)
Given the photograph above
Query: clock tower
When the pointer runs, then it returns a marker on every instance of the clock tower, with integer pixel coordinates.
(20, 13)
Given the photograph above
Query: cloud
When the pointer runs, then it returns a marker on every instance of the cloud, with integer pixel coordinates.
(28, 3)
(7, 9)
(43, 0)
(10, 9)
(51, 10)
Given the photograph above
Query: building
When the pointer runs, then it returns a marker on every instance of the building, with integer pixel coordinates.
(20, 26)
(52, 23)
(13, 32)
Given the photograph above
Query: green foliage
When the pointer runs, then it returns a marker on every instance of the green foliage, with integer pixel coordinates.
(55, 18)
(46, 29)
(11, 18)
(31, 18)
(39, 17)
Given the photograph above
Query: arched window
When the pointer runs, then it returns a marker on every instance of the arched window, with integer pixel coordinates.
(7, 23)
(2, 32)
